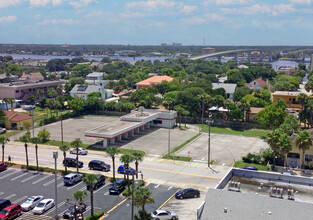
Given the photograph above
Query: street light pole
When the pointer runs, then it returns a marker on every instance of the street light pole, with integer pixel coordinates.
(32, 112)
(202, 110)
(61, 127)
(169, 133)
(209, 122)
(55, 156)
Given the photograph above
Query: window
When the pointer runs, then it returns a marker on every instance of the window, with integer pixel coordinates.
(29, 90)
(228, 95)
(308, 157)
(17, 91)
(157, 122)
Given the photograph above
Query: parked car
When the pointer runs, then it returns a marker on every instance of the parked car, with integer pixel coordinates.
(118, 186)
(71, 162)
(31, 202)
(100, 182)
(99, 165)
(187, 193)
(3, 166)
(11, 212)
(81, 151)
(122, 170)
(250, 168)
(4, 203)
(161, 214)
(43, 206)
(70, 212)
(2, 130)
(28, 107)
(72, 178)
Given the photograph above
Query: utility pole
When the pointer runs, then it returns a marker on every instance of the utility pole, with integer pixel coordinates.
(209, 122)
(55, 156)
(169, 133)
(61, 126)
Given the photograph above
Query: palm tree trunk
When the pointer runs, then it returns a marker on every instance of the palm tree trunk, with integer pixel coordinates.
(26, 156)
(77, 159)
(285, 160)
(113, 162)
(124, 171)
(302, 166)
(136, 169)
(64, 155)
(128, 179)
(91, 200)
(143, 212)
(2, 152)
(36, 149)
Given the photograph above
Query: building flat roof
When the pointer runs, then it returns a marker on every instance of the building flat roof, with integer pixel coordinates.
(155, 79)
(22, 84)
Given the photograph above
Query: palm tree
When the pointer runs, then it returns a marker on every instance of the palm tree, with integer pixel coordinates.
(36, 140)
(126, 159)
(3, 141)
(6, 101)
(79, 196)
(273, 140)
(52, 93)
(76, 145)
(112, 152)
(285, 146)
(91, 180)
(11, 101)
(25, 139)
(303, 141)
(39, 93)
(64, 148)
(142, 196)
(302, 98)
(137, 156)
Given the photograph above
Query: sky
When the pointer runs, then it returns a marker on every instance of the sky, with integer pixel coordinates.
(152, 22)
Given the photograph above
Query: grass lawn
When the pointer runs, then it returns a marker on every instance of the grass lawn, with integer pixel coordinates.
(250, 132)
(240, 164)
(10, 133)
(121, 150)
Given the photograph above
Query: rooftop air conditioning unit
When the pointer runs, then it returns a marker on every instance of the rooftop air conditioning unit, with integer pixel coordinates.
(291, 194)
(276, 192)
(234, 186)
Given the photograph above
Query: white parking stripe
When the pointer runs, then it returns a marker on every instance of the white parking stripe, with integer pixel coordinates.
(43, 178)
(20, 199)
(53, 209)
(24, 174)
(87, 209)
(9, 174)
(51, 181)
(10, 196)
(69, 188)
(102, 187)
(28, 178)
(60, 184)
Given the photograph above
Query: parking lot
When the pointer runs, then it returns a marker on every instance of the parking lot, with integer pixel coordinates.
(18, 185)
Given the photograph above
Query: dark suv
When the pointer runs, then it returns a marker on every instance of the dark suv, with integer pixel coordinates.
(100, 182)
(118, 186)
(99, 165)
(71, 162)
(70, 212)
(4, 203)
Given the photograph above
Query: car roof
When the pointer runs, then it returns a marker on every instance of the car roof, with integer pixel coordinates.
(3, 200)
(71, 174)
(96, 161)
(46, 200)
(34, 197)
(99, 175)
(11, 206)
(160, 210)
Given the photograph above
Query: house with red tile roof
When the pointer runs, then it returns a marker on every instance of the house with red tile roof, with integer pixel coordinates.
(152, 81)
(16, 120)
(257, 84)
(36, 76)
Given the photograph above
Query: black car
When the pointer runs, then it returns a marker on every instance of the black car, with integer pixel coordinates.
(71, 162)
(70, 212)
(99, 165)
(100, 182)
(187, 193)
(118, 186)
(4, 203)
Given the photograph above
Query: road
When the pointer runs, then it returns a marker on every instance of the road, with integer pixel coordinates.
(154, 170)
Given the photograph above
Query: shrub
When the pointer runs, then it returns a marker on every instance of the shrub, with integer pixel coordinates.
(263, 157)
(96, 215)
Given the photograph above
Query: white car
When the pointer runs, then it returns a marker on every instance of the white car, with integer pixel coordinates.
(161, 214)
(2, 130)
(31, 202)
(81, 151)
(43, 206)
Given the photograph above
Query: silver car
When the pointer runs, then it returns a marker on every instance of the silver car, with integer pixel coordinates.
(31, 202)
(161, 214)
(43, 206)
(81, 151)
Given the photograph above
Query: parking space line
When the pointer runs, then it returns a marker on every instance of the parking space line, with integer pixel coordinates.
(102, 187)
(87, 209)
(71, 187)
(9, 174)
(20, 199)
(168, 199)
(43, 178)
(15, 178)
(53, 208)
(117, 205)
(28, 178)
(51, 181)
(60, 184)
(10, 196)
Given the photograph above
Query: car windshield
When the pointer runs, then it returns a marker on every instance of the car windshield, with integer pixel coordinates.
(29, 201)
(72, 209)
(41, 205)
(66, 178)
(5, 212)
(155, 213)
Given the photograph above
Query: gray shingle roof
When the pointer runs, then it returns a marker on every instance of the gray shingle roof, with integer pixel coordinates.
(88, 90)
(229, 87)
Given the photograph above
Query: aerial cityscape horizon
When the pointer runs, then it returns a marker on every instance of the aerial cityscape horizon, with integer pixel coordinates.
(153, 22)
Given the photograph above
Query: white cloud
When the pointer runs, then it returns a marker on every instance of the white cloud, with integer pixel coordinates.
(44, 2)
(59, 21)
(301, 1)
(152, 4)
(7, 3)
(8, 18)
(260, 9)
(228, 2)
(203, 19)
(187, 9)
(81, 3)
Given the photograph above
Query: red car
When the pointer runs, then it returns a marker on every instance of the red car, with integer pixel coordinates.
(10, 212)
(3, 166)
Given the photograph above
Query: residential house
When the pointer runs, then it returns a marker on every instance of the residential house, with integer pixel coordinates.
(289, 97)
(82, 91)
(251, 116)
(36, 76)
(16, 120)
(257, 84)
(230, 88)
(208, 50)
(152, 81)
(96, 78)
(289, 70)
(242, 67)
(22, 90)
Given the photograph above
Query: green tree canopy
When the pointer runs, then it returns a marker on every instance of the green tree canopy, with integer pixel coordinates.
(273, 115)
